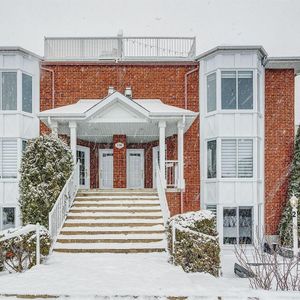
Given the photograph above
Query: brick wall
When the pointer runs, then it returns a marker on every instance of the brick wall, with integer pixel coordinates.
(119, 162)
(74, 81)
(279, 142)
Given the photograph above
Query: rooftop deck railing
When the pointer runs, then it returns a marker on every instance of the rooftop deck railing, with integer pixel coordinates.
(120, 48)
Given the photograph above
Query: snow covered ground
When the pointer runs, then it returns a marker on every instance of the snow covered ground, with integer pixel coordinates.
(84, 276)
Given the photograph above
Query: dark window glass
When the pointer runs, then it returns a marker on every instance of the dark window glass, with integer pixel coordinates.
(8, 217)
(26, 93)
(245, 88)
(211, 159)
(228, 83)
(9, 91)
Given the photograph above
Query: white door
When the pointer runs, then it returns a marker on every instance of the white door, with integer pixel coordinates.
(83, 156)
(135, 168)
(106, 163)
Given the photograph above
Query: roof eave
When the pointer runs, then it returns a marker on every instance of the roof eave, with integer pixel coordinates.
(212, 51)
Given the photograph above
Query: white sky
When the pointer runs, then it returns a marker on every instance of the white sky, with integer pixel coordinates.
(275, 24)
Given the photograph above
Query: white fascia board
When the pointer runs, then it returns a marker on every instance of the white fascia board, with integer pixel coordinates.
(114, 97)
(42, 115)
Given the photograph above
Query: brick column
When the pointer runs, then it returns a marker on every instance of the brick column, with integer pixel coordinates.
(119, 162)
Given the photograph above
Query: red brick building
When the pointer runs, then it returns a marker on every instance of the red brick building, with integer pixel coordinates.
(226, 116)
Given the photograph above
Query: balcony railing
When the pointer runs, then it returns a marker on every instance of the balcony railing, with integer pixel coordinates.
(171, 173)
(120, 48)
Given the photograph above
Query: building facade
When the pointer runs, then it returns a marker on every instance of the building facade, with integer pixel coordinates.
(19, 105)
(219, 127)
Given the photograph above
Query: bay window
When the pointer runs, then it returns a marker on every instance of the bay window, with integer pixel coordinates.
(237, 158)
(211, 92)
(237, 90)
(237, 225)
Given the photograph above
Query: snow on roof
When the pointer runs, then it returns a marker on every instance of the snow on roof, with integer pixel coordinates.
(153, 106)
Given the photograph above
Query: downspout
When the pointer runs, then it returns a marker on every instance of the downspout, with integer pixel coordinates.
(53, 88)
(185, 106)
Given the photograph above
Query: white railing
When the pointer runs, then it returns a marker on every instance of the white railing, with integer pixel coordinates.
(121, 48)
(171, 173)
(63, 203)
(160, 185)
(25, 230)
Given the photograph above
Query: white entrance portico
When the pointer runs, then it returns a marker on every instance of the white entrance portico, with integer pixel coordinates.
(141, 121)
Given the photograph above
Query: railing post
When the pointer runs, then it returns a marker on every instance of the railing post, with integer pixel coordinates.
(38, 249)
(173, 236)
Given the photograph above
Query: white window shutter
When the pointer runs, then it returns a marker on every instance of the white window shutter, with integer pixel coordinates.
(9, 158)
(245, 158)
(228, 158)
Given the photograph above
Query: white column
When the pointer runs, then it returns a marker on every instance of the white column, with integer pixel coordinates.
(73, 139)
(180, 154)
(162, 148)
(54, 128)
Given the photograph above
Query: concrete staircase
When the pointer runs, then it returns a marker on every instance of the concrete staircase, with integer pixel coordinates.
(113, 221)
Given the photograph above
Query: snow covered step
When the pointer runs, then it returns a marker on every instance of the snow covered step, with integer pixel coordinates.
(111, 236)
(117, 201)
(115, 217)
(124, 239)
(93, 213)
(119, 196)
(114, 204)
(113, 230)
(76, 210)
(110, 247)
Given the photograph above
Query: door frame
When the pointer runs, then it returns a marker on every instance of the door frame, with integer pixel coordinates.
(101, 151)
(86, 150)
(128, 151)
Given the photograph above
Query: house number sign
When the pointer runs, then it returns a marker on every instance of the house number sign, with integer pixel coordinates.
(119, 145)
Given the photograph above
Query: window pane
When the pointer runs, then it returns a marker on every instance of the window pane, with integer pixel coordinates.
(245, 225)
(245, 88)
(9, 91)
(9, 159)
(211, 92)
(26, 93)
(211, 159)
(228, 157)
(229, 226)
(8, 217)
(245, 158)
(24, 145)
(228, 90)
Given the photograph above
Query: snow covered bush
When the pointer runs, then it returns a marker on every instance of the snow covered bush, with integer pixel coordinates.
(18, 248)
(46, 165)
(286, 223)
(196, 246)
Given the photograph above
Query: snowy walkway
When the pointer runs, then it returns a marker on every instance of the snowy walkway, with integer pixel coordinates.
(84, 276)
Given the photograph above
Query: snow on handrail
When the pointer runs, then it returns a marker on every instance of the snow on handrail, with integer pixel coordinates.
(63, 203)
(181, 228)
(162, 195)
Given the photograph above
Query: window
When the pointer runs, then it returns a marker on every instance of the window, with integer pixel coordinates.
(237, 225)
(8, 158)
(237, 158)
(212, 208)
(24, 145)
(8, 95)
(211, 92)
(212, 159)
(8, 218)
(237, 89)
(26, 93)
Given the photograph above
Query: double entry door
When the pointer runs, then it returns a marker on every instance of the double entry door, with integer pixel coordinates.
(134, 168)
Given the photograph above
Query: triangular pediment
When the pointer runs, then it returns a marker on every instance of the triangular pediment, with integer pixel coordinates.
(117, 108)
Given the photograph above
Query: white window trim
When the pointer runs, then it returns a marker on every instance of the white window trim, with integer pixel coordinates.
(214, 179)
